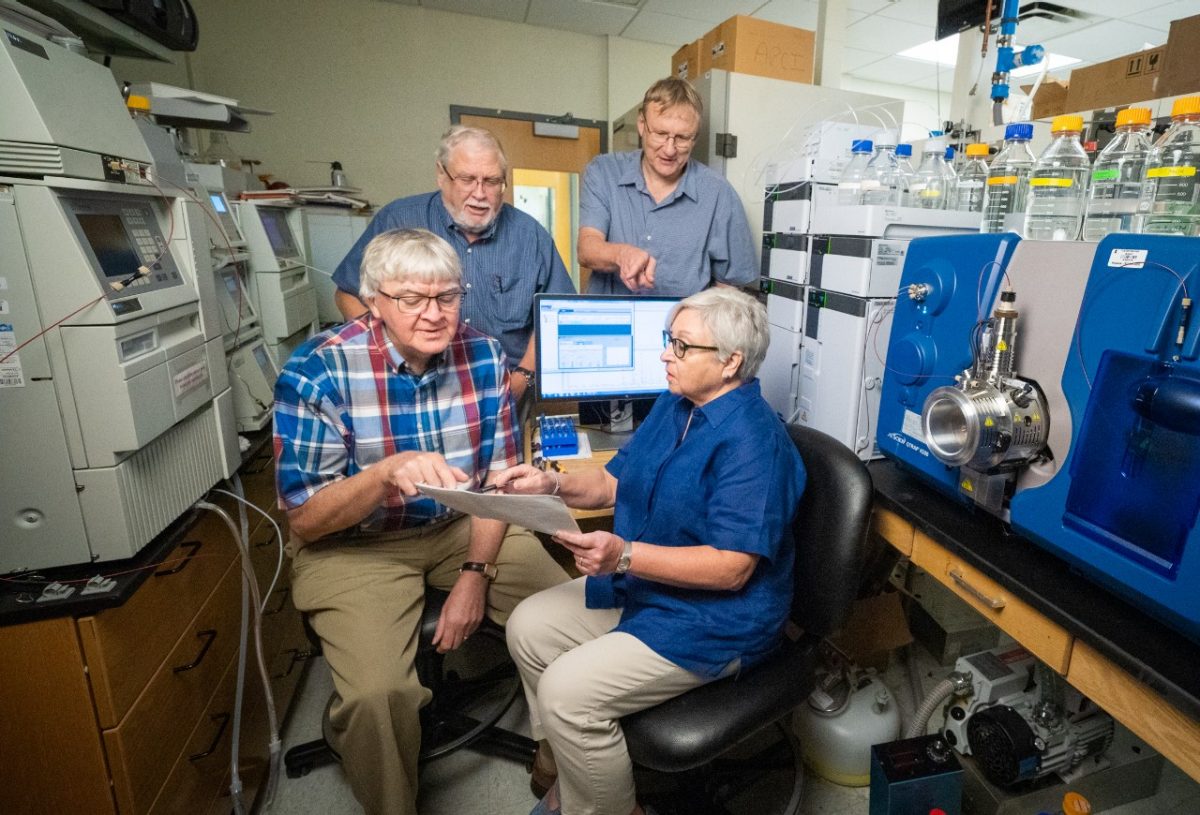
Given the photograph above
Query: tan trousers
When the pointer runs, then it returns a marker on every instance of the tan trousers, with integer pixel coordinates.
(580, 679)
(365, 601)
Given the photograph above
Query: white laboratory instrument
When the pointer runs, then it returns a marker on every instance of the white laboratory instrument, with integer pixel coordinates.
(329, 233)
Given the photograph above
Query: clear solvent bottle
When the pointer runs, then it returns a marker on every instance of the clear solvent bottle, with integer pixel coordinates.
(928, 187)
(1170, 203)
(881, 182)
(907, 171)
(1058, 185)
(1117, 173)
(1008, 177)
(850, 181)
(972, 180)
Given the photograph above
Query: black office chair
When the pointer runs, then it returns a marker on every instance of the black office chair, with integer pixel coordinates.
(463, 711)
(687, 734)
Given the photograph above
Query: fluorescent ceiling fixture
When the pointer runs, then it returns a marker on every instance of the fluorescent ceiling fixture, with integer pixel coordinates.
(945, 52)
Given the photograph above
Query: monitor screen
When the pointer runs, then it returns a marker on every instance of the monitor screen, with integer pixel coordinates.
(600, 347)
(274, 221)
(110, 242)
(954, 16)
(218, 202)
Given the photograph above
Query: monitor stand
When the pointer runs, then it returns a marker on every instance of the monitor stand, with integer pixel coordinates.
(609, 423)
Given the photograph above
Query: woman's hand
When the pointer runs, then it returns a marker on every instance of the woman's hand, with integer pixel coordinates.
(595, 553)
(525, 480)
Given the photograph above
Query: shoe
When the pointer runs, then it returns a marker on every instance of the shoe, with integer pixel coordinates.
(544, 772)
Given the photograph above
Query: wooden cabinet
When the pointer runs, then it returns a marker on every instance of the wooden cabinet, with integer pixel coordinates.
(130, 710)
(1047, 641)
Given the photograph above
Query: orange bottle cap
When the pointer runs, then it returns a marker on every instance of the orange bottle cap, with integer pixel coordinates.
(977, 149)
(1069, 123)
(1133, 116)
(1185, 106)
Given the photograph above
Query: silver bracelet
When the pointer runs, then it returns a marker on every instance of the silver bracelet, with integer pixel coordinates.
(557, 483)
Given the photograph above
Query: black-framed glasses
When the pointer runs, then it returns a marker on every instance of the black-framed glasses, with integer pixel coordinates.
(466, 183)
(680, 348)
(413, 303)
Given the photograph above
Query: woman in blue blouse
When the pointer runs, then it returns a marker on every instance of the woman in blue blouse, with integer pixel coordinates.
(695, 580)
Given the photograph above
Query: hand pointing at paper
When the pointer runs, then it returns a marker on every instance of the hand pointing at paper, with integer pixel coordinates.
(405, 470)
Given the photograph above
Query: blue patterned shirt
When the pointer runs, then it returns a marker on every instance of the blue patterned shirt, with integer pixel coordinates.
(698, 235)
(733, 482)
(502, 271)
(346, 400)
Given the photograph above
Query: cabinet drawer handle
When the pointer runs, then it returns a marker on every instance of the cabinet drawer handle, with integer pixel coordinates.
(223, 718)
(179, 567)
(991, 602)
(283, 597)
(267, 541)
(208, 635)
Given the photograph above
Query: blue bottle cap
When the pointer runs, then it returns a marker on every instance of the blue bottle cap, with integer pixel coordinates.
(904, 150)
(933, 134)
(949, 154)
(1020, 131)
(861, 146)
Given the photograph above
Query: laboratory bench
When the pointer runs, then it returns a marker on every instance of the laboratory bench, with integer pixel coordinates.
(122, 701)
(1146, 675)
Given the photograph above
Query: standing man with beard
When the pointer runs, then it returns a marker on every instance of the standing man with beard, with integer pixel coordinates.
(655, 220)
(507, 257)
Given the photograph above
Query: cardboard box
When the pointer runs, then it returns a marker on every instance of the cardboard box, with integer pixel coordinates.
(876, 628)
(687, 62)
(1051, 99)
(748, 45)
(1120, 81)
(1181, 74)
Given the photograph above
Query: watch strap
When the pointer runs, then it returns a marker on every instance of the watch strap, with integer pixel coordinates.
(488, 570)
(623, 562)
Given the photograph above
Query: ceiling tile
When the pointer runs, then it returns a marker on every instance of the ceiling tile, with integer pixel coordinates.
(798, 13)
(513, 10)
(921, 12)
(866, 6)
(665, 28)
(1160, 17)
(580, 16)
(1111, 8)
(1103, 41)
(853, 58)
(896, 70)
(711, 11)
(876, 33)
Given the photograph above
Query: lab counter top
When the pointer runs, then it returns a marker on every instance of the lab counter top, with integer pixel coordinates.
(1160, 658)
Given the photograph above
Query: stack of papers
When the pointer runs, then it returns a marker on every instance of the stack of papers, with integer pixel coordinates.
(540, 513)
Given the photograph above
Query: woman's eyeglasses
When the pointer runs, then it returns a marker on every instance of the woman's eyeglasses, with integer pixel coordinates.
(680, 348)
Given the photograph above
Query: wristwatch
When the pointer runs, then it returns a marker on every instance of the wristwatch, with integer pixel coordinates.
(488, 570)
(626, 556)
(525, 372)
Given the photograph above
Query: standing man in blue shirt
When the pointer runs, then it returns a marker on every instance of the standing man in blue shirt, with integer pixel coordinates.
(656, 220)
(507, 257)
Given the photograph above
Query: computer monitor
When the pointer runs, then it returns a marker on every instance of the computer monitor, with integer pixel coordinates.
(600, 347)
(279, 232)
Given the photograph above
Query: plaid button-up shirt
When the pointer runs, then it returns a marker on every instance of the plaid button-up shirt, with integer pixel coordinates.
(346, 400)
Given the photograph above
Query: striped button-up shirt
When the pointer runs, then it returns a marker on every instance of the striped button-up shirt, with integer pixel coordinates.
(502, 271)
(346, 400)
(698, 235)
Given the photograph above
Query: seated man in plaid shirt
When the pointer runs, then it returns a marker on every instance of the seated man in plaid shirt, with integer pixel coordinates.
(405, 394)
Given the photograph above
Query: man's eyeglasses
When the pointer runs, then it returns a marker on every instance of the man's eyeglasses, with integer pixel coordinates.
(680, 348)
(412, 303)
(466, 183)
(657, 138)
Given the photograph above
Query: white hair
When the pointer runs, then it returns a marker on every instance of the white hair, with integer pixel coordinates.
(736, 321)
(415, 255)
(458, 134)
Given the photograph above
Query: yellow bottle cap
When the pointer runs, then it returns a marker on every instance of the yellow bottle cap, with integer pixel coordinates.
(1133, 116)
(135, 102)
(1185, 106)
(1068, 123)
(977, 149)
(1075, 804)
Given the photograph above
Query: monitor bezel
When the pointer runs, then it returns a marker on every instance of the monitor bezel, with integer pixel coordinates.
(584, 298)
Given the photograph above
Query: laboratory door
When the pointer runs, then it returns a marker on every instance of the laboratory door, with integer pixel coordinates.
(546, 169)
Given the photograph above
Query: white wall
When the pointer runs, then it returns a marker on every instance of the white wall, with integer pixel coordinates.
(371, 83)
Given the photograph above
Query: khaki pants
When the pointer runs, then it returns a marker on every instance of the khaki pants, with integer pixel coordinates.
(365, 599)
(580, 678)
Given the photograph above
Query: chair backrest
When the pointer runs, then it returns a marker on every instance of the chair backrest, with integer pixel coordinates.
(830, 529)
